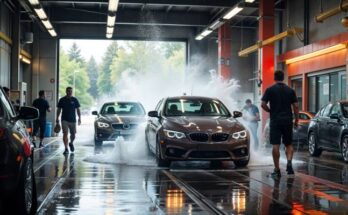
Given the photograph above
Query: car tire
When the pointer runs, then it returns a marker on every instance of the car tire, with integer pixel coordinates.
(26, 197)
(241, 163)
(313, 146)
(344, 148)
(160, 162)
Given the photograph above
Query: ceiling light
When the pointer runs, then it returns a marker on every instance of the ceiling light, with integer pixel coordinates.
(34, 2)
(113, 4)
(199, 37)
(47, 24)
(41, 13)
(52, 32)
(233, 12)
(108, 36)
(216, 24)
(111, 20)
(109, 30)
(206, 32)
(249, 1)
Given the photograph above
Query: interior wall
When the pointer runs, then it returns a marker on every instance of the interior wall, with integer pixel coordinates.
(5, 48)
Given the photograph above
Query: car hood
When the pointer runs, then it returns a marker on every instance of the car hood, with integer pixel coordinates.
(202, 124)
(122, 119)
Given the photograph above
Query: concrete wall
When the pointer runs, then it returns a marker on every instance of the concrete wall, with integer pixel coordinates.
(5, 49)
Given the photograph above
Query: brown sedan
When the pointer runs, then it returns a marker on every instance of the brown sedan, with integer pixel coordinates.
(196, 128)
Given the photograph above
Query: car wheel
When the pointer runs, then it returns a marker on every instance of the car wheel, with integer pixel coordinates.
(344, 148)
(160, 162)
(241, 163)
(313, 146)
(26, 193)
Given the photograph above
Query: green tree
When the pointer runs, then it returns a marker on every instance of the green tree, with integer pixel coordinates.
(75, 54)
(72, 73)
(170, 48)
(104, 82)
(92, 71)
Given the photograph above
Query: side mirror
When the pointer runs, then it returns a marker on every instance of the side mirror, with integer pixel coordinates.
(94, 112)
(28, 113)
(153, 114)
(237, 114)
(334, 116)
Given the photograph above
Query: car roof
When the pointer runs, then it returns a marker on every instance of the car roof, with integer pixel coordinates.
(111, 103)
(192, 97)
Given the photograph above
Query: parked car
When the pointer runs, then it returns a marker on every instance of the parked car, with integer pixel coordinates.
(17, 179)
(117, 119)
(328, 130)
(299, 134)
(196, 128)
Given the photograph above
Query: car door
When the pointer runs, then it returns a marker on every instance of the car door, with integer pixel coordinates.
(335, 126)
(153, 124)
(324, 127)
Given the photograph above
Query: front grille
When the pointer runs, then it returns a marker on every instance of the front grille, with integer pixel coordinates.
(209, 154)
(199, 137)
(122, 126)
(219, 137)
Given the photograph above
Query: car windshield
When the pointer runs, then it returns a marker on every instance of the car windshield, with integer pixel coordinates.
(195, 107)
(123, 108)
(345, 109)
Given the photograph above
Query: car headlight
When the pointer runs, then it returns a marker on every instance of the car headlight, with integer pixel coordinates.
(103, 125)
(239, 135)
(174, 134)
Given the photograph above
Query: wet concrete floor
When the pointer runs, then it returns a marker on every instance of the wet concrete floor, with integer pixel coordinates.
(71, 185)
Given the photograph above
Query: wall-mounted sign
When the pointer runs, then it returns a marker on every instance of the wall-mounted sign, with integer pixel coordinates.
(228, 61)
(222, 61)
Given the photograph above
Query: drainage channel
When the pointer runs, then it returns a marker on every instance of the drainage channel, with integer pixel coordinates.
(198, 198)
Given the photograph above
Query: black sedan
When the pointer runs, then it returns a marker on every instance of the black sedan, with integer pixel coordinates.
(17, 180)
(117, 119)
(328, 130)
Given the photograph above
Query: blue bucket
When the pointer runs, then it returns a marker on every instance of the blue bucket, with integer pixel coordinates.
(48, 129)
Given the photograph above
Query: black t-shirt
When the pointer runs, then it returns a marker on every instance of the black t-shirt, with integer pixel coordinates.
(68, 106)
(280, 97)
(43, 106)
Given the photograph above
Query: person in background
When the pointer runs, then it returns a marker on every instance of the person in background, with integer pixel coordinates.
(40, 124)
(68, 105)
(252, 117)
(282, 102)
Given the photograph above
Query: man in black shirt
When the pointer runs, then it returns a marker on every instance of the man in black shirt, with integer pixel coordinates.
(43, 106)
(69, 105)
(281, 98)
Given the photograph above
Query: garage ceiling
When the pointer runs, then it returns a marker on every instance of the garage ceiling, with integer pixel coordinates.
(170, 13)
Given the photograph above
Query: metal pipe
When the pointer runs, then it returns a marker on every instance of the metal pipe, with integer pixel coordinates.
(342, 7)
(306, 23)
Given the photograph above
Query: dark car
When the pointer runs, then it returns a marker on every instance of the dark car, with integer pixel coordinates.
(117, 119)
(17, 180)
(299, 134)
(196, 128)
(328, 130)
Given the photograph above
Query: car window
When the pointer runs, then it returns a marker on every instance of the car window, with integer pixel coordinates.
(6, 106)
(303, 116)
(345, 109)
(336, 109)
(327, 110)
(123, 108)
(195, 107)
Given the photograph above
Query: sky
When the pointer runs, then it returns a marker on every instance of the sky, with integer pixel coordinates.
(88, 48)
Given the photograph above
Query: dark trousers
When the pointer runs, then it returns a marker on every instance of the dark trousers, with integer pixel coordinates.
(39, 124)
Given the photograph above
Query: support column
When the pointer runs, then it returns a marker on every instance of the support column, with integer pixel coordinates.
(304, 92)
(266, 53)
(15, 63)
(224, 51)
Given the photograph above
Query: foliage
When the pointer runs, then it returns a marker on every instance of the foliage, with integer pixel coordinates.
(92, 71)
(75, 54)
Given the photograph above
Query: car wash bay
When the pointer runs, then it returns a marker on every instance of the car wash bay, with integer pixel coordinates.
(240, 39)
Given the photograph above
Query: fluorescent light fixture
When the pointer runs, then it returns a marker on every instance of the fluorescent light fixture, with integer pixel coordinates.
(34, 2)
(113, 4)
(216, 24)
(25, 59)
(41, 13)
(234, 11)
(108, 36)
(249, 1)
(52, 32)
(206, 32)
(110, 30)
(316, 53)
(199, 37)
(47, 24)
(111, 21)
